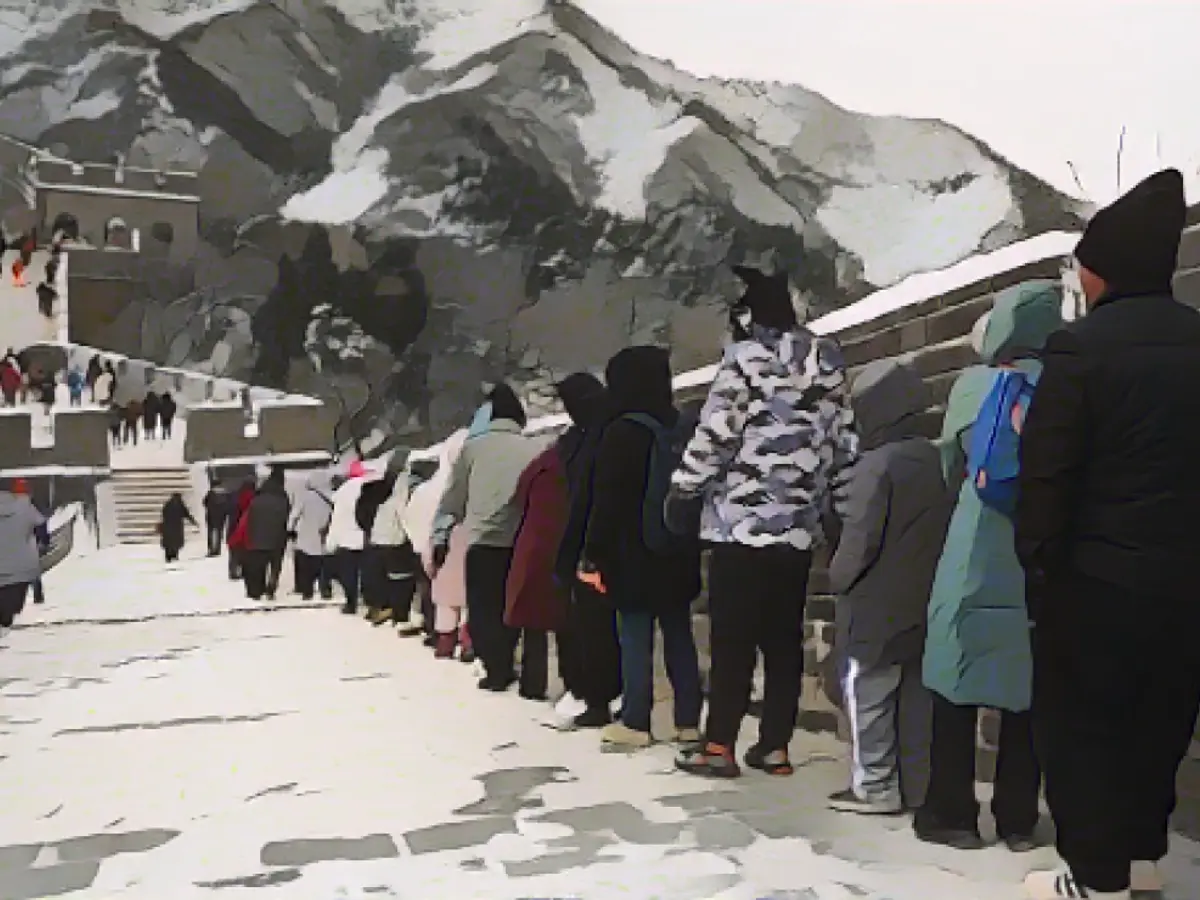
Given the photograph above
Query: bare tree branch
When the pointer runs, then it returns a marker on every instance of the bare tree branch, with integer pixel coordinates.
(1075, 176)
(1120, 153)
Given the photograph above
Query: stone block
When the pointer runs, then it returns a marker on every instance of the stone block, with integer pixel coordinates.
(957, 321)
(913, 335)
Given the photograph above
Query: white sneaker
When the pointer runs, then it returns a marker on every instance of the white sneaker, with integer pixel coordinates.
(1061, 885)
(569, 706)
(1144, 878)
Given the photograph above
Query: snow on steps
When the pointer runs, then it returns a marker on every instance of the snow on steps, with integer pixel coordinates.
(139, 495)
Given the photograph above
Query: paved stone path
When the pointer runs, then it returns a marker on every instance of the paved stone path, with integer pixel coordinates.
(161, 739)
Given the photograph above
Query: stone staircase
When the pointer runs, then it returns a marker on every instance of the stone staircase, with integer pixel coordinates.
(140, 495)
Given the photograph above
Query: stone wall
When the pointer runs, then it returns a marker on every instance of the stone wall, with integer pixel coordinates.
(220, 432)
(80, 441)
(93, 209)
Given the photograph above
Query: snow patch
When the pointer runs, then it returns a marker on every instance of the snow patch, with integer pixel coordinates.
(458, 29)
(166, 18)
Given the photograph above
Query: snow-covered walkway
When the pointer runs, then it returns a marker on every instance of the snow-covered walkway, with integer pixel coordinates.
(162, 737)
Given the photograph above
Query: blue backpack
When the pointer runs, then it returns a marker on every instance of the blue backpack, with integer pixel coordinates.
(993, 460)
(665, 456)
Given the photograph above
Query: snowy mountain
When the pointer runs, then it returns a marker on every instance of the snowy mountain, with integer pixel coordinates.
(404, 198)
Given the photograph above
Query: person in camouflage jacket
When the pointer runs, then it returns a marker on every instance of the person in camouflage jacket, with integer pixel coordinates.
(775, 431)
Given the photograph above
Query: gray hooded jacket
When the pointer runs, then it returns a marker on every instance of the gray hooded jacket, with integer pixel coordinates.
(895, 509)
(19, 520)
(311, 514)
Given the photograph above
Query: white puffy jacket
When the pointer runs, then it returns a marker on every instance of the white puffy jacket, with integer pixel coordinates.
(344, 533)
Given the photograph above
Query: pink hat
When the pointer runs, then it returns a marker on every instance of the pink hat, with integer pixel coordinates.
(357, 469)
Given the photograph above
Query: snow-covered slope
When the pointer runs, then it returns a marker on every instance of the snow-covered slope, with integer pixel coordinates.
(404, 198)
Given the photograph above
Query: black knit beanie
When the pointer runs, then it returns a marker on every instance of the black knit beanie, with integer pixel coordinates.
(767, 298)
(1133, 244)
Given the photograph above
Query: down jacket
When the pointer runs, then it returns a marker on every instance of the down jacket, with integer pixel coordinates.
(775, 428)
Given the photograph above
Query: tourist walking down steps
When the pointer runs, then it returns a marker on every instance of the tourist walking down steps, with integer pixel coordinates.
(1107, 531)
(774, 431)
(171, 526)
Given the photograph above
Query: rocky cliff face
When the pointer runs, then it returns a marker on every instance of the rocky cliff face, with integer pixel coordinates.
(405, 198)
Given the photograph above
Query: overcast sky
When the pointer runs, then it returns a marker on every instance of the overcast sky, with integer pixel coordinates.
(1042, 82)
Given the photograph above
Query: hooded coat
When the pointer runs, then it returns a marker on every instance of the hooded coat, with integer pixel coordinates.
(535, 597)
(312, 512)
(1107, 484)
(267, 516)
(586, 401)
(895, 512)
(19, 524)
(449, 587)
(977, 649)
(174, 514)
(636, 578)
(775, 429)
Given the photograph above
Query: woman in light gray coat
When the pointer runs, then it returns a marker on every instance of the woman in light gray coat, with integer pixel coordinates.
(308, 528)
(19, 563)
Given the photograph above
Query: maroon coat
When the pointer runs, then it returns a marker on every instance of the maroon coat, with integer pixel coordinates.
(534, 598)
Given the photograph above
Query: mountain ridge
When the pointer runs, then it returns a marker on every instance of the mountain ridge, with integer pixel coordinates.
(485, 192)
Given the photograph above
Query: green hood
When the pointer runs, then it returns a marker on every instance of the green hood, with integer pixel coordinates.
(1022, 318)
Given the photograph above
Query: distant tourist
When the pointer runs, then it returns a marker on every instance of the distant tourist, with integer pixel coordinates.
(309, 527)
(103, 386)
(10, 380)
(166, 414)
(20, 565)
(116, 422)
(266, 537)
(46, 298)
(93, 372)
(171, 529)
(217, 509)
(133, 418)
(150, 413)
(41, 536)
(75, 385)
(241, 502)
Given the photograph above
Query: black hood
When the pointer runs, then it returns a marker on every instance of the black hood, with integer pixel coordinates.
(583, 396)
(639, 380)
(506, 404)
(767, 301)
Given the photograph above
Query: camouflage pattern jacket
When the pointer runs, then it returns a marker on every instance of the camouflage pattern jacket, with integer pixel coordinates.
(776, 428)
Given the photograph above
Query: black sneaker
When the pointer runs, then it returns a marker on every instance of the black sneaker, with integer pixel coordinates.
(1021, 843)
(495, 685)
(593, 717)
(850, 802)
(350, 609)
(958, 838)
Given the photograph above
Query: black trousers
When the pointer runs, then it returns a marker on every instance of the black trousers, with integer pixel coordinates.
(260, 571)
(12, 602)
(348, 569)
(310, 571)
(215, 529)
(389, 578)
(129, 433)
(487, 577)
(1116, 694)
(950, 802)
(756, 599)
(589, 649)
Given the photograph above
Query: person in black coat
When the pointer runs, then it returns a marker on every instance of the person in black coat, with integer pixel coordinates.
(174, 514)
(644, 586)
(1106, 528)
(589, 652)
(166, 414)
(151, 407)
(218, 508)
(266, 538)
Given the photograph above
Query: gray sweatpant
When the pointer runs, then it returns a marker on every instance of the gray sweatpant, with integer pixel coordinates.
(891, 724)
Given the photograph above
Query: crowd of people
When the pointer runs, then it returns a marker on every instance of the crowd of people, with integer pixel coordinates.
(1037, 558)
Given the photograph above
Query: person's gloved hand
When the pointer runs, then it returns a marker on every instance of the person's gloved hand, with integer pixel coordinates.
(291, 535)
(682, 514)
